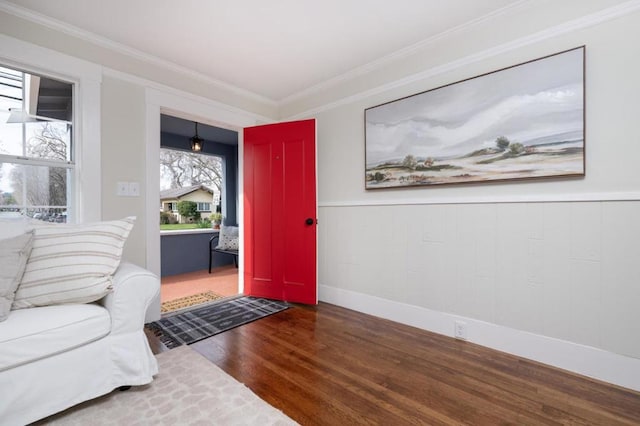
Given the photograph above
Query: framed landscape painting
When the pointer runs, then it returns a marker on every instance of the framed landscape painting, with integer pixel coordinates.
(521, 122)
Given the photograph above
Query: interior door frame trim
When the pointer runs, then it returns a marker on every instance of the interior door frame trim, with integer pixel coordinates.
(196, 109)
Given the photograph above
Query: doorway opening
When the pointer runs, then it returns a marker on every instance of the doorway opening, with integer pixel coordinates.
(198, 200)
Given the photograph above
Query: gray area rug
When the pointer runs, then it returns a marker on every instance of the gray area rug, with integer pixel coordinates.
(188, 390)
(186, 327)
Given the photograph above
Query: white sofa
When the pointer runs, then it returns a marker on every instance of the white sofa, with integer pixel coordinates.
(54, 357)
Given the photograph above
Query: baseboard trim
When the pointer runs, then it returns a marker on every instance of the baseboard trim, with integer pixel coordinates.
(588, 361)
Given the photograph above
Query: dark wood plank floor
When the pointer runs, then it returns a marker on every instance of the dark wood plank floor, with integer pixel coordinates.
(327, 365)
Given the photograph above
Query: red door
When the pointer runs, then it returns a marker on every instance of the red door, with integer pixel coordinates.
(280, 211)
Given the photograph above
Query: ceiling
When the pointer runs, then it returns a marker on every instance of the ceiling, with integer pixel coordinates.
(187, 129)
(272, 49)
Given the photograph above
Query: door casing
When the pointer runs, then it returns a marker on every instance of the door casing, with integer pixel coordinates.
(194, 108)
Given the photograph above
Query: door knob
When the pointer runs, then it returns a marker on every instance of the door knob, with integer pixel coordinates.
(309, 221)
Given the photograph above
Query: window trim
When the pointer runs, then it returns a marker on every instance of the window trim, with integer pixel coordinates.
(85, 197)
(33, 161)
(203, 210)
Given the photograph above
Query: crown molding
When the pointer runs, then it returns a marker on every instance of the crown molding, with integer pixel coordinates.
(399, 54)
(563, 28)
(566, 27)
(150, 84)
(90, 37)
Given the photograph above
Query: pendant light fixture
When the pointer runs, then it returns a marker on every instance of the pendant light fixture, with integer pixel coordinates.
(196, 141)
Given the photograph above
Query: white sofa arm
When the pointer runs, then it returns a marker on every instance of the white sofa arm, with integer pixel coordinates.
(133, 290)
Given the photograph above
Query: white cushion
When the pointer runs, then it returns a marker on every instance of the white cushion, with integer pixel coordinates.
(72, 263)
(13, 226)
(14, 253)
(229, 238)
(31, 334)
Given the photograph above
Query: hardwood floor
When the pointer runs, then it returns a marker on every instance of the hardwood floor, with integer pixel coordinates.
(327, 365)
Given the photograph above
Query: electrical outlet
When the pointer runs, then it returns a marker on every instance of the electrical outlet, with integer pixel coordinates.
(460, 330)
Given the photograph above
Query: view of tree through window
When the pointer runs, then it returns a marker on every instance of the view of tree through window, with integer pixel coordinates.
(190, 188)
(36, 156)
(180, 169)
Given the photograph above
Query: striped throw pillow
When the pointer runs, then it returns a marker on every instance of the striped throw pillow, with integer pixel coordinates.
(72, 263)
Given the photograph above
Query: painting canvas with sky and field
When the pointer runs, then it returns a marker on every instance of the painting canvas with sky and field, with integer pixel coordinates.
(522, 122)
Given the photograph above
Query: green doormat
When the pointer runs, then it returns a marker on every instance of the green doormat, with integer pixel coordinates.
(184, 328)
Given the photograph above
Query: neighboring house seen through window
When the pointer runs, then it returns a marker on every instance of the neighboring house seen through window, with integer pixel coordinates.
(188, 178)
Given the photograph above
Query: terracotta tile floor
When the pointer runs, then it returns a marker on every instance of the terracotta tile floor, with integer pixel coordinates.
(222, 280)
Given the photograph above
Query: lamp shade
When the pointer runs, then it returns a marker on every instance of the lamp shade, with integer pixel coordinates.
(196, 141)
(196, 144)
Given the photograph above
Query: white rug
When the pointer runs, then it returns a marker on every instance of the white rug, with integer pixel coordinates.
(189, 390)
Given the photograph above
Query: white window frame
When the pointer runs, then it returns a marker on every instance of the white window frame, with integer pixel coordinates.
(85, 199)
(23, 159)
(201, 209)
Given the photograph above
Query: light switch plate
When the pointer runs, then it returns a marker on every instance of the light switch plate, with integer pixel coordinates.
(134, 189)
(122, 189)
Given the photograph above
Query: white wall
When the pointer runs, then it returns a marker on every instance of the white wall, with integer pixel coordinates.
(548, 263)
(123, 159)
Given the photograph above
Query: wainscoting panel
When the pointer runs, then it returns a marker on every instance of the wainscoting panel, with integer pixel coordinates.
(560, 270)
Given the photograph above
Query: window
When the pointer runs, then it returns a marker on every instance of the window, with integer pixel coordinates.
(36, 139)
(204, 207)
